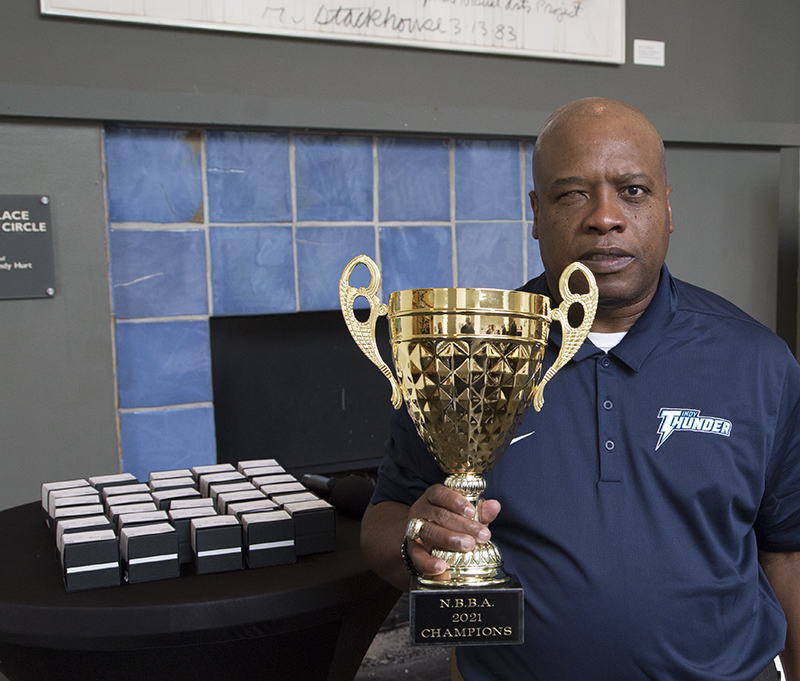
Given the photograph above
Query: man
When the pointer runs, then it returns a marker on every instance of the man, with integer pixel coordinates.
(659, 487)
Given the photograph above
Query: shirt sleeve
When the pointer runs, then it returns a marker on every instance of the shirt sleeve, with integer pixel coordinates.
(778, 523)
(407, 469)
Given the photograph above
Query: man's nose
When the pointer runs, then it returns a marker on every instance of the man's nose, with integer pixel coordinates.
(606, 213)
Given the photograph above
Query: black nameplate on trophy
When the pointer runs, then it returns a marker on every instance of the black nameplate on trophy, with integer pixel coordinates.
(463, 616)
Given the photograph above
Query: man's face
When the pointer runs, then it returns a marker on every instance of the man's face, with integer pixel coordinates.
(601, 198)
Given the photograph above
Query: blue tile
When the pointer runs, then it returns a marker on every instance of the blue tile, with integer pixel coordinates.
(487, 178)
(322, 255)
(163, 363)
(490, 254)
(248, 177)
(252, 270)
(333, 178)
(158, 273)
(154, 175)
(165, 439)
(413, 180)
(416, 257)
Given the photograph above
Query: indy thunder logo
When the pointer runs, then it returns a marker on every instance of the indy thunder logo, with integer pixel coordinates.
(673, 420)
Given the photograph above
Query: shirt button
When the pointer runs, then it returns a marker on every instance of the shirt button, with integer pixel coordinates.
(609, 445)
(606, 362)
(608, 404)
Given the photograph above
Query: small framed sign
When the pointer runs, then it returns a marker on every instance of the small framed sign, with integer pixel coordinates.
(27, 267)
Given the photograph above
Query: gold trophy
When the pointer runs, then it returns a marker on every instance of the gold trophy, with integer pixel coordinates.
(468, 364)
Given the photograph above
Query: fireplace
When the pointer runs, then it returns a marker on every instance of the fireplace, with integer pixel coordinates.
(295, 387)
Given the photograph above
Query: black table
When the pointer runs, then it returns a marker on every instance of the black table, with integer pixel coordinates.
(311, 620)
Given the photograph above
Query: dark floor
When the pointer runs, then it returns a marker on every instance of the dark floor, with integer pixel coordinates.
(391, 657)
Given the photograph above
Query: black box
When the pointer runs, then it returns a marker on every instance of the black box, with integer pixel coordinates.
(149, 552)
(114, 512)
(314, 526)
(190, 502)
(293, 497)
(172, 483)
(217, 488)
(197, 471)
(283, 488)
(259, 506)
(256, 463)
(146, 518)
(217, 544)
(166, 497)
(48, 487)
(273, 479)
(181, 520)
(100, 482)
(175, 473)
(208, 479)
(64, 512)
(62, 500)
(268, 539)
(90, 560)
(226, 498)
(117, 499)
(82, 524)
(134, 488)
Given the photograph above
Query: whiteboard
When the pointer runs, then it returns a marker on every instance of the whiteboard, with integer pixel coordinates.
(587, 30)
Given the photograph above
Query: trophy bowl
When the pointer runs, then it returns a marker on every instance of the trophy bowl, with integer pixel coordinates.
(468, 364)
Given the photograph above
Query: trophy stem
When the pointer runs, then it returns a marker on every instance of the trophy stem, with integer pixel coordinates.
(483, 565)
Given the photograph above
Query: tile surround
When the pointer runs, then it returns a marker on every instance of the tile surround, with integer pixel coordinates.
(223, 223)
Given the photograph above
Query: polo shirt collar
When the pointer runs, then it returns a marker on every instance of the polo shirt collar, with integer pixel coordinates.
(643, 337)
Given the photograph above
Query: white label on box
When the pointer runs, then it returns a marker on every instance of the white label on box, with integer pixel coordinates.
(92, 568)
(272, 545)
(219, 552)
(183, 513)
(153, 559)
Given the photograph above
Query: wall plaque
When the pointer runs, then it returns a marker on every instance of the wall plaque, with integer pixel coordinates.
(26, 247)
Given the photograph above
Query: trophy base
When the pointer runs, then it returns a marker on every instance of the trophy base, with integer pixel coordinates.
(466, 616)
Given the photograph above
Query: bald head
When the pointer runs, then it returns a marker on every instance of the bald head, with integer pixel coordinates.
(576, 116)
(601, 198)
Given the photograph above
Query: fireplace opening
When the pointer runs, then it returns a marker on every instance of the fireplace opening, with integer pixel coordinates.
(296, 388)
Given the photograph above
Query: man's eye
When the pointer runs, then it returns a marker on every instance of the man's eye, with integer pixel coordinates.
(634, 191)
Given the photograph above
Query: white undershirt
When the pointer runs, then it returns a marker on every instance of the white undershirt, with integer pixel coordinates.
(606, 341)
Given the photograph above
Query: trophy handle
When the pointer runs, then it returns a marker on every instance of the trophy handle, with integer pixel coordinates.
(363, 333)
(571, 337)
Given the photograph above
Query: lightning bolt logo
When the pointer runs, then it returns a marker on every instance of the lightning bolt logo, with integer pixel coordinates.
(689, 420)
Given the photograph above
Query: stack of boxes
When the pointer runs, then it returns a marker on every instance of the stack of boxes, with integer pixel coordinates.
(209, 519)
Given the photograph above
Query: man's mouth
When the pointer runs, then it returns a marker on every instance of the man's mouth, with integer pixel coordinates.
(606, 262)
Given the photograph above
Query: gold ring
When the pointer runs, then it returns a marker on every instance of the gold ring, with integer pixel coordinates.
(413, 529)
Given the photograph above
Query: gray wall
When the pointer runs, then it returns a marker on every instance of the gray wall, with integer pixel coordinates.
(727, 103)
(57, 417)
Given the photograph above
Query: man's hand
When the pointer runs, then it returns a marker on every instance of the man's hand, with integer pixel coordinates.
(451, 524)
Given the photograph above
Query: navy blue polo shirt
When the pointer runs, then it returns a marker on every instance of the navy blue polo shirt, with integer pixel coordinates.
(634, 503)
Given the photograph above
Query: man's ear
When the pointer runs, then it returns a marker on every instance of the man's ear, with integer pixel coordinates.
(669, 209)
(535, 207)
